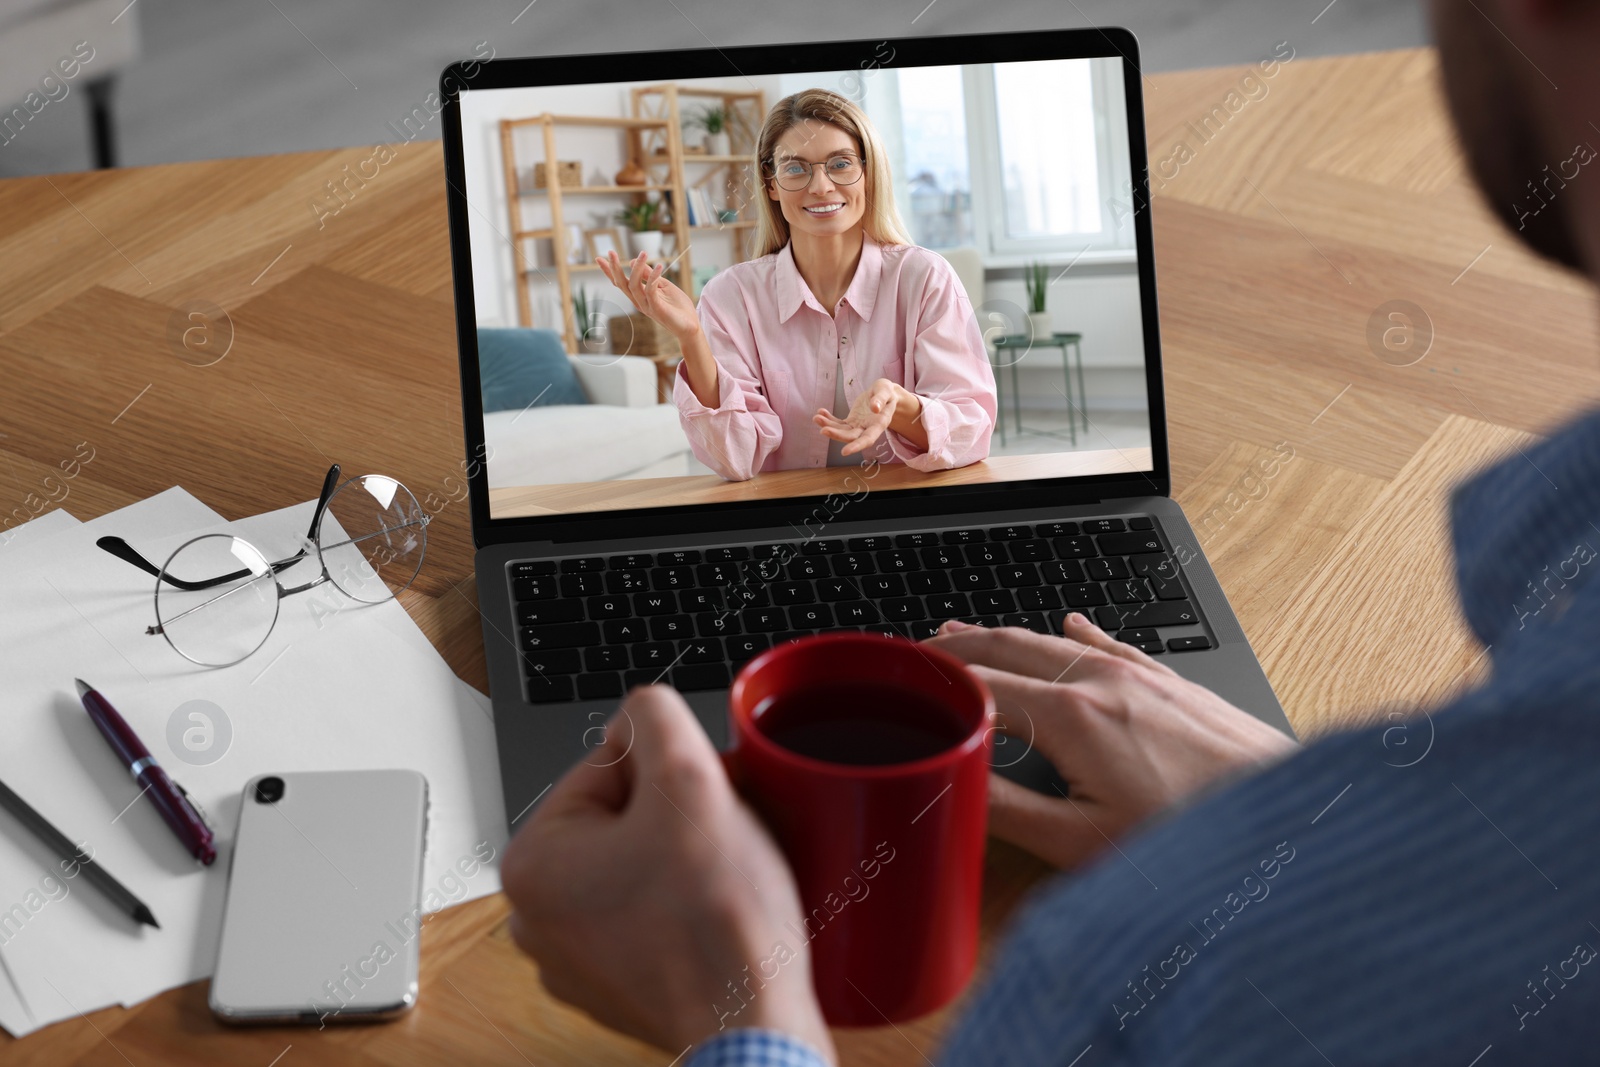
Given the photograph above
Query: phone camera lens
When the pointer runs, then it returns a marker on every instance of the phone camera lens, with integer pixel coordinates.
(269, 790)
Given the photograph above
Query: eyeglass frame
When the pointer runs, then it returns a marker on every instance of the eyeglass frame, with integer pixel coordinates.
(330, 484)
(811, 171)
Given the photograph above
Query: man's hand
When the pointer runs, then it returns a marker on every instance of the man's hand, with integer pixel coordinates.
(1127, 733)
(644, 887)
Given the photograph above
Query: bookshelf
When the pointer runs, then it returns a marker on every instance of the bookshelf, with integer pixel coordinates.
(653, 137)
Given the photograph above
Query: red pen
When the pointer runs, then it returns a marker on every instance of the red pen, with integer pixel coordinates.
(168, 796)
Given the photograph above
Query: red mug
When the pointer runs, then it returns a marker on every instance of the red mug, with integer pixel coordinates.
(887, 850)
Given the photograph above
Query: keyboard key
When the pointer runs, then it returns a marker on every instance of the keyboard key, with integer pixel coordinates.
(654, 654)
(1041, 599)
(632, 562)
(605, 658)
(745, 595)
(1087, 595)
(1138, 635)
(643, 676)
(1028, 620)
(994, 602)
(969, 578)
(1017, 576)
(727, 555)
(701, 650)
(1161, 613)
(1153, 648)
(717, 624)
(948, 606)
(609, 606)
(554, 689)
(669, 627)
(680, 557)
(701, 676)
(943, 556)
(533, 587)
(1188, 644)
(624, 631)
(1105, 569)
(678, 577)
(1130, 591)
(1126, 544)
(881, 585)
(811, 617)
(1010, 533)
(1168, 589)
(718, 573)
(746, 646)
(922, 630)
(898, 562)
(532, 568)
(929, 582)
(600, 686)
(915, 540)
(1074, 547)
(903, 609)
(535, 612)
(833, 589)
(854, 564)
(695, 601)
(774, 550)
(868, 544)
(855, 613)
(1154, 565)
(1062, 572)
(963, 537)
(1103, 526)
(1055, 529)
(763, 620)
(1141, 522)
(585, 584)
(583, 565)
(551, 661)
(655, 603)
(634, 581)
(560, 635)
(807, 567)
(987, 555)
(785, 593)
(1032, 551)
(830, 547)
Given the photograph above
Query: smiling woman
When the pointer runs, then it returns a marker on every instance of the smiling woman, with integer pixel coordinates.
(841, 336)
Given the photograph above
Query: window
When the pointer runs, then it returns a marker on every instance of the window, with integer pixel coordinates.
(1019, 159)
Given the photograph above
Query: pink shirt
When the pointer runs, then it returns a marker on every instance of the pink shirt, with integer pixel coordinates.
(905, 317)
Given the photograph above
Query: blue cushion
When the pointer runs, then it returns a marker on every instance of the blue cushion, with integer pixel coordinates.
(520, 368)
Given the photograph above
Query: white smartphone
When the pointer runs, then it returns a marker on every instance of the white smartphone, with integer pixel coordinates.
(324, 907)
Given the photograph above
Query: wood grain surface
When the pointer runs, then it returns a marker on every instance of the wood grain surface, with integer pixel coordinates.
(1278, 240)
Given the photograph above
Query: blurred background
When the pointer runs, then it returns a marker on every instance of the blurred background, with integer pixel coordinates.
(160, 81)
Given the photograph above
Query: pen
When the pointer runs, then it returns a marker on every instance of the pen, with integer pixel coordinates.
(177, 810)
(70, 853)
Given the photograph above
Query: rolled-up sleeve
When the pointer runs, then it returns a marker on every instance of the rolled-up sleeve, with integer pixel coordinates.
(735, 437)
(948, 368)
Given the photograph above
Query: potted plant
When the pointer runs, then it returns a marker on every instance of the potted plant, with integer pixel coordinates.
(591, 336)
(1037, 278)
(641, 219)
(714, 120)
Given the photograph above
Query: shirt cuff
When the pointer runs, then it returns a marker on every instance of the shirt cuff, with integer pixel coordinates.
(730, 397)
(935, 419)
(754, 1048)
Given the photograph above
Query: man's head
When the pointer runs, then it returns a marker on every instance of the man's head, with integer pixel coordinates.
(1523, 79)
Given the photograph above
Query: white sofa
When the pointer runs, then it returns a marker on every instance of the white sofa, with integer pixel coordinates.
(621, 433)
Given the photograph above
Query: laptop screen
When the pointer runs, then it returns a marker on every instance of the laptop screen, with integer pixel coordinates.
(895, 276)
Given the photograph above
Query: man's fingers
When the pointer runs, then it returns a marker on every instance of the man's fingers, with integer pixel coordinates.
(664, 742)
(1049, 827)
(1079, 627)
(1011, 648)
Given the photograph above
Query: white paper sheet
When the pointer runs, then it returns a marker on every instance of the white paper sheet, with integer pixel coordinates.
(331, 689)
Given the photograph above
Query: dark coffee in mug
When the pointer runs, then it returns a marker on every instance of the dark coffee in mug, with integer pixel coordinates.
(861, 723)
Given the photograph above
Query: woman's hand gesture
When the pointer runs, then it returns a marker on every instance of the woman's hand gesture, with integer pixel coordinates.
(652, 294)
(869, 416)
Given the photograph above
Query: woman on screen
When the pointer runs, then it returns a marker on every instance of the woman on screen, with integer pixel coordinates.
(840, 338)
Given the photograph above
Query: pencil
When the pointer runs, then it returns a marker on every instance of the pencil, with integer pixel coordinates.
(41, 828)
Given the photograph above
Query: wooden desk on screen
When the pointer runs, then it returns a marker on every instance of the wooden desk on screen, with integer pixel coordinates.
(808, 482)
(1339, 192)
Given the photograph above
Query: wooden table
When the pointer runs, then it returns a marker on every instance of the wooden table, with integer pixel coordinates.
(1339, 192)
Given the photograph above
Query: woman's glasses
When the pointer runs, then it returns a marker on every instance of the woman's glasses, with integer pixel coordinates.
(217, 596)
(795, 174)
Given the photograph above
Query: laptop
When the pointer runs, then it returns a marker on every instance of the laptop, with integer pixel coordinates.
(628, 532)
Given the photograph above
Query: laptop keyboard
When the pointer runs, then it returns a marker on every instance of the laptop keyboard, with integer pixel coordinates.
(590, 627)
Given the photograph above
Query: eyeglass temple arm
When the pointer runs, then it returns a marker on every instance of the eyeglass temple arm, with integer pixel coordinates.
(329, 483)
(128, 554)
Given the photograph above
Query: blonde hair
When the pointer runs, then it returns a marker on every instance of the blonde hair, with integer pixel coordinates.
(881, 220)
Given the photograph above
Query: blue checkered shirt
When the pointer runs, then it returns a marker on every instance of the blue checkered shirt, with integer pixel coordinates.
(1424, 891)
